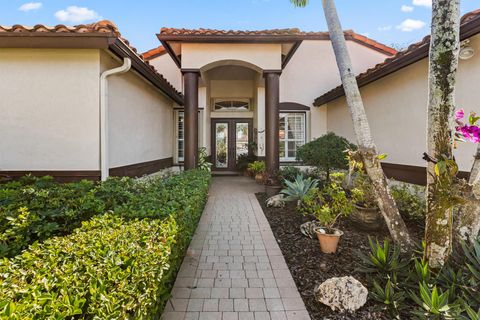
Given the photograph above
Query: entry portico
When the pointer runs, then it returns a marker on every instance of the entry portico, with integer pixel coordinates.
(239, 75)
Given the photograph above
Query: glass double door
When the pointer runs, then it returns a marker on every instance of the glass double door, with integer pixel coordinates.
(230, 139)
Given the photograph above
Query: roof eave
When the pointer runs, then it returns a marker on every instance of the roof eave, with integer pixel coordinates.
(467, 30)
(123, 51)
(56, 40)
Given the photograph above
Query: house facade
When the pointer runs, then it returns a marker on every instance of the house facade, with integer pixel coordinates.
(67, 114)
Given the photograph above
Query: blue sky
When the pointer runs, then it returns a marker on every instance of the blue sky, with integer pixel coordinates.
(399, 22)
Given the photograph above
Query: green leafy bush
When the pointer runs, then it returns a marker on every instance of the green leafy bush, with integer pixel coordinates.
(120, 265)
(289, 173)
(37, 208)
(410, 201)
(328, 204)
(326, 152)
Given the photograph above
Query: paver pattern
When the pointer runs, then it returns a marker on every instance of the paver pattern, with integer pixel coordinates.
(234, 269)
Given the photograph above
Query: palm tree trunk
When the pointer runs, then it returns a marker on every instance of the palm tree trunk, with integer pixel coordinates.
(467, 225)
(367, 148)
(444, 48)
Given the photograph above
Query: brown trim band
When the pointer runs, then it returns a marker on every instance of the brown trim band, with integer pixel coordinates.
(270, 71)
(58, 175)
(133, 170)
(186, 70)
(411, 174)
(140, 169)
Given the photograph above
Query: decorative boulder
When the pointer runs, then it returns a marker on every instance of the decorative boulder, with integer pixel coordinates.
(342, 294)
(276, 201)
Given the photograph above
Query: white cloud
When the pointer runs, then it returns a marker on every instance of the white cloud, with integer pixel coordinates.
(405, 8)
(409, 25)
(76, 14)
(30, 6)
(385, 28)
(422, 3)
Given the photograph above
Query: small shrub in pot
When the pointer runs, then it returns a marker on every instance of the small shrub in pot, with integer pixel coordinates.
(258, 169)
(327, 206)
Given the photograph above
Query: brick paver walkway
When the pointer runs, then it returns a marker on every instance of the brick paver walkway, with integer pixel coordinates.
(234, 269)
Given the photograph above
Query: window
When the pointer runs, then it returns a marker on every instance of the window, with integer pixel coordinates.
(292, 135)
(180, 135)
(231, 104)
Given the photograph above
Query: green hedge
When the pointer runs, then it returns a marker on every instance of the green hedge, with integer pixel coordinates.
(34, 209)
(120, 265)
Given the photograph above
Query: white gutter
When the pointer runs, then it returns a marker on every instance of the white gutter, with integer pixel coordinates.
(127, 63)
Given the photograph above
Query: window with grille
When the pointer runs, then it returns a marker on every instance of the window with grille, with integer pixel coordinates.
(292, 135)
(231, 104)
(180, 135)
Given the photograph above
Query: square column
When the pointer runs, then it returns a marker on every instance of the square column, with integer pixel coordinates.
(190, 79)
(272, 100)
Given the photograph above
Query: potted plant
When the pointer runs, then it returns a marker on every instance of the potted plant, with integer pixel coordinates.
(258, 169)
(243, 161)
(366, 215)
(327, 205)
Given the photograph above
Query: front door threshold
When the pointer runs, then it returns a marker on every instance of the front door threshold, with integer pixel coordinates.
(225, 173)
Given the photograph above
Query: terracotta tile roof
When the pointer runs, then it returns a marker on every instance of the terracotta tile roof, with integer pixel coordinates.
(153, 53)
(104, 28)
(469, 26)
(205, 32)
(293, 34)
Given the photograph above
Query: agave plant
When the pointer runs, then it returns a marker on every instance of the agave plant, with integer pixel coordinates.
(434, 304)
(472, 272)
(383, 259)
(472, 315)
(297, 190)
(391, 298)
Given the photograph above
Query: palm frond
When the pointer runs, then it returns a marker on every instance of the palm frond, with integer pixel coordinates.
(299, 3)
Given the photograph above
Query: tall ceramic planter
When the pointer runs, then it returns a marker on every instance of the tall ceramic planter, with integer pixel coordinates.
(368, 219)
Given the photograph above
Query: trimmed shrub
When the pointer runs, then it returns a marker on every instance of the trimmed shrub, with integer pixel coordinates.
(326, 152)
(290, 173)
(34, 209)
(120, 265)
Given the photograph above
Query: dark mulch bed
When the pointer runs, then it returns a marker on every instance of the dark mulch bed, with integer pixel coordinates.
(310, 267)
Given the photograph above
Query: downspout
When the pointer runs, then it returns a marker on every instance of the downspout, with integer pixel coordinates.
(104, 167)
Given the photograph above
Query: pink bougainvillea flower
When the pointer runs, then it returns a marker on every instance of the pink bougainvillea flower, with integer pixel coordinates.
(459, 114)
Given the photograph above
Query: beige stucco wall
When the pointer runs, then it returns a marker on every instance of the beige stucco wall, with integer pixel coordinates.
(313, 71)
(206, 55)
(170, 71)
(397, 111)
(49, 102)
(141, 120)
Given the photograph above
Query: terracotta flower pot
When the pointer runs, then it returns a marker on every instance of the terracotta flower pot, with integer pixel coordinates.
(328, 241)
(368, 219)
(259, 178)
